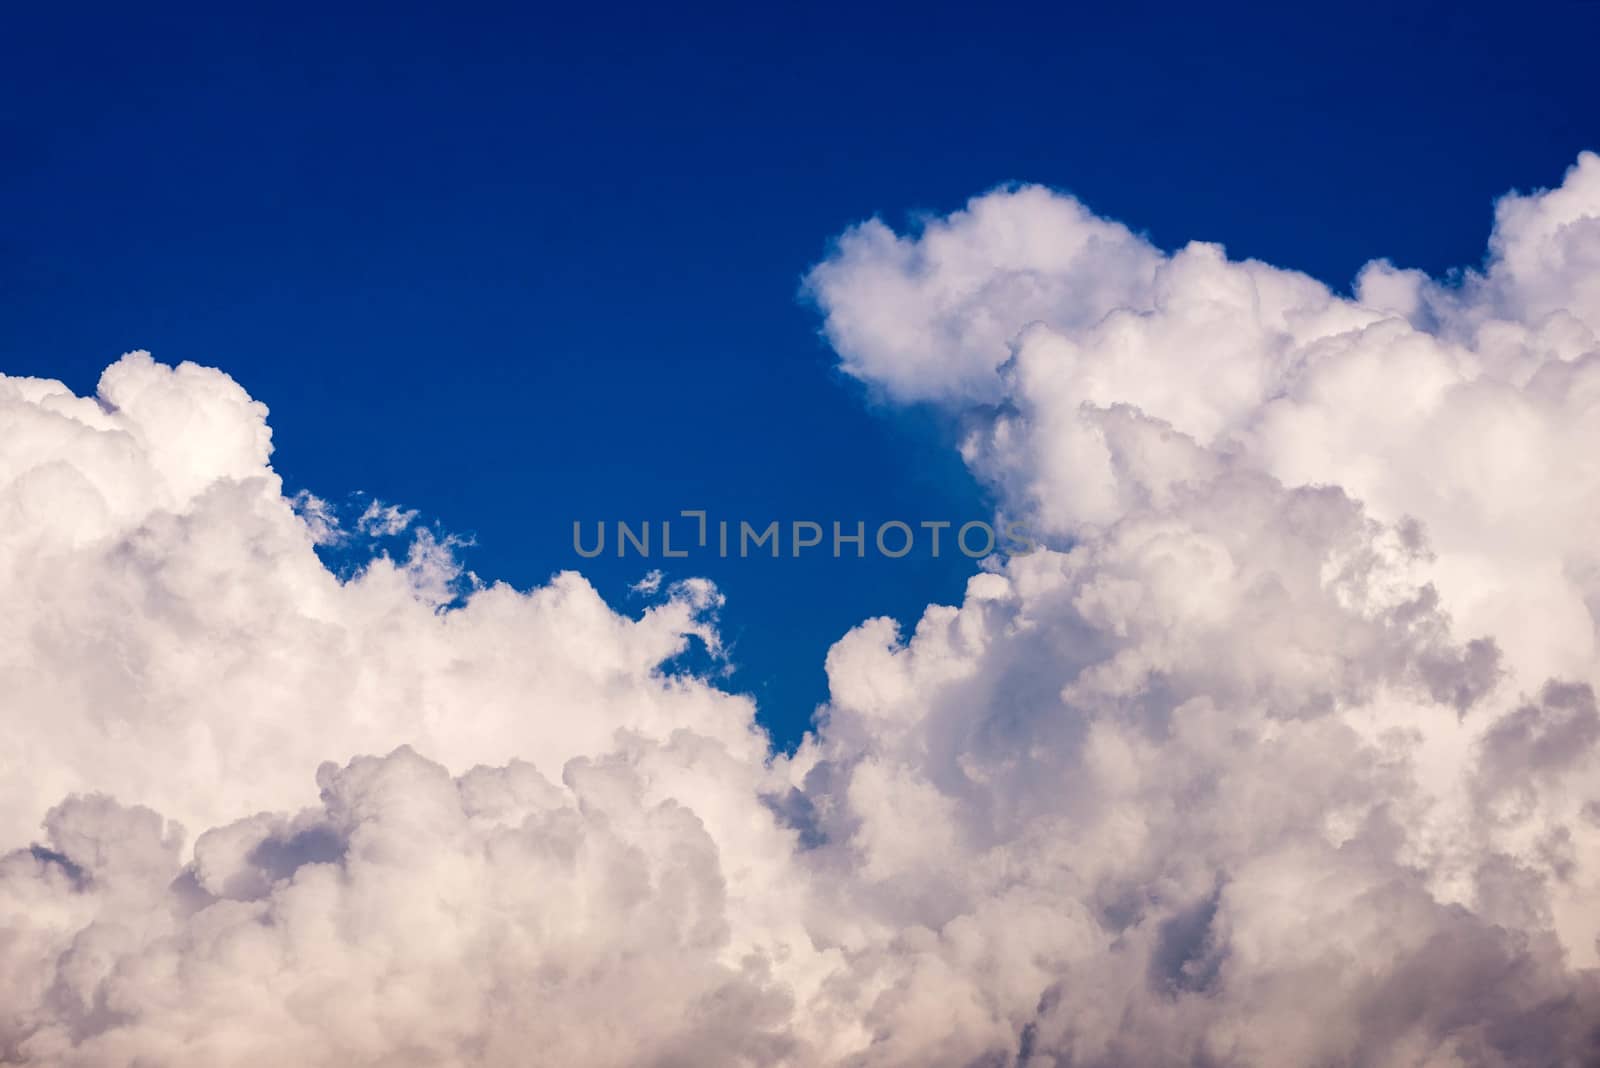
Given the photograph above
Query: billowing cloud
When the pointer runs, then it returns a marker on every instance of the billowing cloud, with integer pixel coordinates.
(1284, 751)
(224, 876)
(1291, 737)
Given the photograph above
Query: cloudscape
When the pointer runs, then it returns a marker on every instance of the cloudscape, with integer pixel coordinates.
(1282, 749)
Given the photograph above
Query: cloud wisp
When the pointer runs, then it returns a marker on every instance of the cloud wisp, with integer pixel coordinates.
(1283, 750)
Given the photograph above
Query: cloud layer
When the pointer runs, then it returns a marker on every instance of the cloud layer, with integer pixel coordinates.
(1286, 751)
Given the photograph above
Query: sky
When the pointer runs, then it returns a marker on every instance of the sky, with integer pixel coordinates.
(516, 268)
(1279, 335)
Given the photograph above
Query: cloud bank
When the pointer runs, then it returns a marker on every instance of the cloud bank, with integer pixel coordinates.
(1286, 751)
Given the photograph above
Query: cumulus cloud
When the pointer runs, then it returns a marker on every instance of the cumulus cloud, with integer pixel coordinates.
(1290, 733)
(224, 875)
(1283, 751)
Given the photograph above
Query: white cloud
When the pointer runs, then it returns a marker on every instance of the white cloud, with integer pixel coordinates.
(320, 517)
(384, 520)
(206, 635)
(1284, 753)
(929, 318)
(1314, 651)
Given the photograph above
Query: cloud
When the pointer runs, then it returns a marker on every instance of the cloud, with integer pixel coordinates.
(649, 584)
(1282, 751)
(320, 517)
(198, 630)
(928, 318)
(183, 651)
(409, 918)
(384, 520)
(1312, 648)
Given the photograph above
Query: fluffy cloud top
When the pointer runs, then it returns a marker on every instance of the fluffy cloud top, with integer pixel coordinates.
(1286, 752)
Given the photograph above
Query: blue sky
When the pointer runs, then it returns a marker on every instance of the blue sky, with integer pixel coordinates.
(523, 268)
